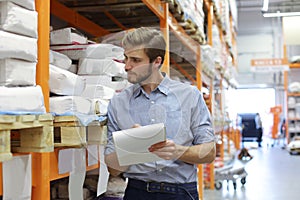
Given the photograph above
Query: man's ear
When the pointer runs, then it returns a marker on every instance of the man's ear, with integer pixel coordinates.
(157, 61)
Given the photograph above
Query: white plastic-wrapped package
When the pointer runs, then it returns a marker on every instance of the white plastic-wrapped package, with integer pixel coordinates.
(96, 51)
(67, 36)
(98, 91)
(60, 60)
(294, 87)
(112, 82)
(22, 99)
(18, 46)
(18, 20)
(89, 66)
(63, 105)
(28, 4)
(15, 72)
(63, 82)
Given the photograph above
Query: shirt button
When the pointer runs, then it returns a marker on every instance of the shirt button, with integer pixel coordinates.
(152, 102)
(152, 120)
(160, 170)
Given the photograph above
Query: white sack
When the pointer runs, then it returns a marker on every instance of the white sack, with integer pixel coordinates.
(96, 51)
(67, 36)
(14, 72)
(89, 66)
(116, 83)
(18, 20)
(70, 104)
(17, 46)
(63, 82)
(294, 87)
(98, 91)
(60, 60)
(29, 4)
(22, 99)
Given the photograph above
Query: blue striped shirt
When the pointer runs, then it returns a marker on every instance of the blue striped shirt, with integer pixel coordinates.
(180, 107)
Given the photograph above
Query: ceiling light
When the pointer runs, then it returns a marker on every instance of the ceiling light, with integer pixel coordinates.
(265, 6)
(279, 14)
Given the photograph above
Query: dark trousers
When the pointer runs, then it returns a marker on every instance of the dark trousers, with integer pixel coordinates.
(140, 190)
(259, 135)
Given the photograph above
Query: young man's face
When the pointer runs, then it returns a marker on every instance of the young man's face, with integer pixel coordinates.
(137, 65)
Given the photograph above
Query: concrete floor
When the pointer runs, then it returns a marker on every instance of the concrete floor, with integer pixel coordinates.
(273, 174)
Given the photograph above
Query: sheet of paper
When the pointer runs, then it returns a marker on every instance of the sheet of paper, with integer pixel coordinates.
(65, 161)
(17, 178)
(103, 173)
(132, 144)
(92, 155)
(76, 181)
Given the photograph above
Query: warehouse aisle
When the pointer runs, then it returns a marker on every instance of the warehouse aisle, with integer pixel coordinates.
(273, 174)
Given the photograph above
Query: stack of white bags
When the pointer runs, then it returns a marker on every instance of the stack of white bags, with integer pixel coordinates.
(18, 58)
(83, 73)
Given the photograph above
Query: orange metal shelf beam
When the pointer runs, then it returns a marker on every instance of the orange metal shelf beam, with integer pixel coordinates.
(76, 20)
(187, 75)
(156, 7)
(294, 65)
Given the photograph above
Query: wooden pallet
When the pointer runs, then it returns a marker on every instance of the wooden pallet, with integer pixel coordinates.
(68, 131)
(25, 133)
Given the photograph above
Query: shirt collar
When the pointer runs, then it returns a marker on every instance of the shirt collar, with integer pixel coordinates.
(162, 87)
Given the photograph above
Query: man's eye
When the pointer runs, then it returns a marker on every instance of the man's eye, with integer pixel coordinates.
(136, 60)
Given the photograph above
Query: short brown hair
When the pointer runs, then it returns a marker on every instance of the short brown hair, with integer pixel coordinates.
(150, 39)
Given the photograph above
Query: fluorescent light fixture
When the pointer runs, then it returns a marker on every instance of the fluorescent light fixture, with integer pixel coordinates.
(265, 6)
(279, 14)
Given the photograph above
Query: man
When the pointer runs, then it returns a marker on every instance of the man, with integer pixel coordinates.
(259, 130)
(155, 98)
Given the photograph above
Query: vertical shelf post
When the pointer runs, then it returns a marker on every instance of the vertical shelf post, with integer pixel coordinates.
(41, 161)
(42, 69)
(164, 26)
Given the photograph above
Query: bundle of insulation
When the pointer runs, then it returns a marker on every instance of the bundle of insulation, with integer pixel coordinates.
(20, 100)
(95, 51)
(15, 72)
(19, 20)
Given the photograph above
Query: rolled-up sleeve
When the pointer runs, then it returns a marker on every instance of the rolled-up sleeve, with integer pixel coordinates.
(201, 124)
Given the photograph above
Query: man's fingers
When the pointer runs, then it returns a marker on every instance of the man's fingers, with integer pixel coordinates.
(136, 125)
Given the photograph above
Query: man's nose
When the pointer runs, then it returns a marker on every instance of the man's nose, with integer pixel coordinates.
(128, 66)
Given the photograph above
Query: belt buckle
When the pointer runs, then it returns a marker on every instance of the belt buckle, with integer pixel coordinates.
(161, 187)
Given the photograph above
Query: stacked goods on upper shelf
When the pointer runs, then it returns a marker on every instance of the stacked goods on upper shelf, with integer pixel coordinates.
(220, 56)
(18, 58)
(95, 79)
(207, 59)
(190, 15)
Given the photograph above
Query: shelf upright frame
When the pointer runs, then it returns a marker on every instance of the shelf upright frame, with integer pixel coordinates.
(41, 161)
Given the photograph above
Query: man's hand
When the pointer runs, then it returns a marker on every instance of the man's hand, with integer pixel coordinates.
(196, 154)
(167, 150)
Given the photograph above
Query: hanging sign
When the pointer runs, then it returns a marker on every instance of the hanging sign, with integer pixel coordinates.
(269, 64)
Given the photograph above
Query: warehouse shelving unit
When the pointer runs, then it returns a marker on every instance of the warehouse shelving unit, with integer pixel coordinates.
(45, 165)
(293, 120)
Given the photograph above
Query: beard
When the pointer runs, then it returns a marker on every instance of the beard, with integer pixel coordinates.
(140, 76)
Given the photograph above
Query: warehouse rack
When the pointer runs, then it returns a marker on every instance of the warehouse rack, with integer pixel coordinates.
(45, 165)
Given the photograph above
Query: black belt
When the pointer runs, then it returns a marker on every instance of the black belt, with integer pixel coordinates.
(162, 186)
